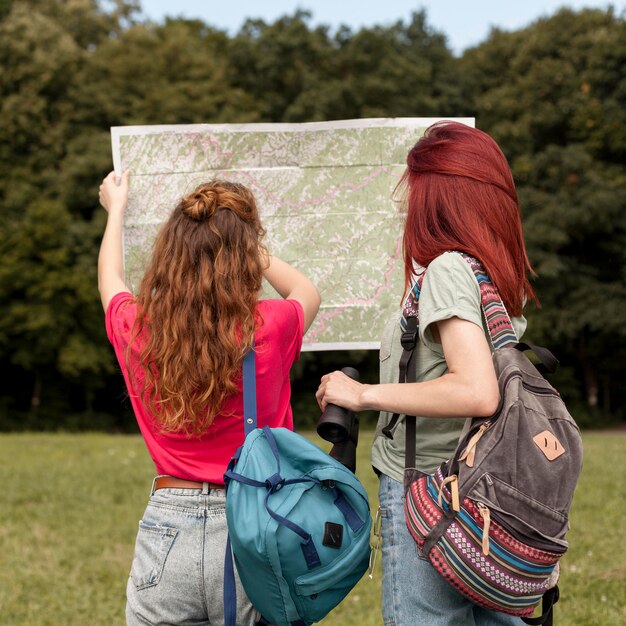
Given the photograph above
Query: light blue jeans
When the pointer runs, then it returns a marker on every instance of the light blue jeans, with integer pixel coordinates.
(178, 567)
(414, 594)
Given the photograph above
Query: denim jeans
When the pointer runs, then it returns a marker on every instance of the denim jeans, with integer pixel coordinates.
(413, 591)
(178, 567)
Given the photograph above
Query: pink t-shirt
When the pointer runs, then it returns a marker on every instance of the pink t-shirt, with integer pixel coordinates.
(277, 345)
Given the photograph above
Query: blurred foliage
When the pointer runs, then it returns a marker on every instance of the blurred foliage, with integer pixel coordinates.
(553, 95)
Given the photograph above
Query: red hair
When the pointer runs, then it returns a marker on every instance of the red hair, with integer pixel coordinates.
(460, 195)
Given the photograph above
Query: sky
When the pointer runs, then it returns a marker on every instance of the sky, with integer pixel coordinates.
(466, 23)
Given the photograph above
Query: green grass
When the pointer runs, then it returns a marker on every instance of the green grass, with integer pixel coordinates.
(70, 506)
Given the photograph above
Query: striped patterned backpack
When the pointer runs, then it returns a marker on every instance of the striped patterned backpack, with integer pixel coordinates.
(492, 520)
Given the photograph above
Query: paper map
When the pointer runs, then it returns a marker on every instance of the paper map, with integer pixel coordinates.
(325, 194)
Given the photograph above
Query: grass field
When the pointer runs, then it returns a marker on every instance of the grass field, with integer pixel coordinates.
(70, 506)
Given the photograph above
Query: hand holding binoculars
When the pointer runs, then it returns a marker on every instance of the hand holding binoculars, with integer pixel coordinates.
(341, 427)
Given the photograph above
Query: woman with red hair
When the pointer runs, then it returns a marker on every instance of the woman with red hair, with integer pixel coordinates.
(459, 197)
(180, 342)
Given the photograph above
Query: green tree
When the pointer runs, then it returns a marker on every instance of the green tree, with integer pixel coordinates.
(50, 328)
(403, 70)
(297, 73)
(47, 279)
(276, 63)
(175, 73)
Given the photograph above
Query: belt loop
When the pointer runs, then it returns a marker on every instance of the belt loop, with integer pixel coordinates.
(153, 485)
(205, 489)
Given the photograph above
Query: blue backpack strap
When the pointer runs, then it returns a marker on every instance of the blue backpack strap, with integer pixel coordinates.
(249, 391)
(347, 510)
(267, 431)
(271, 442)
(230, 590)
(249, 424)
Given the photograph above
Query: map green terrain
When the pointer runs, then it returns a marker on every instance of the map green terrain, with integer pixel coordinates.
(325, 191)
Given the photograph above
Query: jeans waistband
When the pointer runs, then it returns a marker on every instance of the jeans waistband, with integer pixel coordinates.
(171, 482)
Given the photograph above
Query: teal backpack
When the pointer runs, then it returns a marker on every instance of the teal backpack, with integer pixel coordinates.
(298, 523)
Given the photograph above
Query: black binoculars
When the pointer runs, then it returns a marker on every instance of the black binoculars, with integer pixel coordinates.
(341, 427)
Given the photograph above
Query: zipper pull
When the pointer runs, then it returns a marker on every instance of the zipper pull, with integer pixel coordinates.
(453, 481)
(470, 450)
(485, 513)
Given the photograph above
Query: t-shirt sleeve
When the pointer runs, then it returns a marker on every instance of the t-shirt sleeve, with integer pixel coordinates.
(293, 330)
(449, 290)
(119, 319)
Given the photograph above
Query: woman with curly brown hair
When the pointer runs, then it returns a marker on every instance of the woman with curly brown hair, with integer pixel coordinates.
(180, 342)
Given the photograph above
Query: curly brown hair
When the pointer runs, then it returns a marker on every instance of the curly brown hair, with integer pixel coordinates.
(196, 304)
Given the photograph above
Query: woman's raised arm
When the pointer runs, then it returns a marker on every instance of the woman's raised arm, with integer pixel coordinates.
(293, 284)
(113, 197)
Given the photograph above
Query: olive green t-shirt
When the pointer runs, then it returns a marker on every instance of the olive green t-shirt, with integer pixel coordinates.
(449, 289)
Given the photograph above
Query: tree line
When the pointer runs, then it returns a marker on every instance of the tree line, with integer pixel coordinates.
(553, 95)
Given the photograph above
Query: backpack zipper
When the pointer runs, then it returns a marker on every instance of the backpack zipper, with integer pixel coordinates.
(470, 450)
(485, 513)
(473, 437)
(453, 481)
(542, 391)
(495, 516)
(532, 388)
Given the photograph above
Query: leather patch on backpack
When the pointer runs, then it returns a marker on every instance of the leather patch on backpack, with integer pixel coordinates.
(333, 535)
(549, 445)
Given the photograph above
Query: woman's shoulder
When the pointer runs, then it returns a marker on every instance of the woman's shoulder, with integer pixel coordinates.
(279, 306)
(282, 327)
(451, 278)
(121, 301)
(452, 269)
(450, 261)
(120, 314)
(281, 313)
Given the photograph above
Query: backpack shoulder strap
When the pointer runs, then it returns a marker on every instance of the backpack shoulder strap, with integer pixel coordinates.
(249, 424)
(501, 331)
(406, 375)
(249, 391)
(411, 304)
(409, 323)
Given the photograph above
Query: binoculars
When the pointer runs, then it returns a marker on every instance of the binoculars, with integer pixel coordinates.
(341, 427)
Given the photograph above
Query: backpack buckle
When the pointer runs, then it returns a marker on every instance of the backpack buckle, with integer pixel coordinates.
(408, 338)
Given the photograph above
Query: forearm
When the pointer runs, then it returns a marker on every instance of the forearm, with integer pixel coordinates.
(110, 259)
(284, 278)
(468, 389)
(291, 283)
(447, 396)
